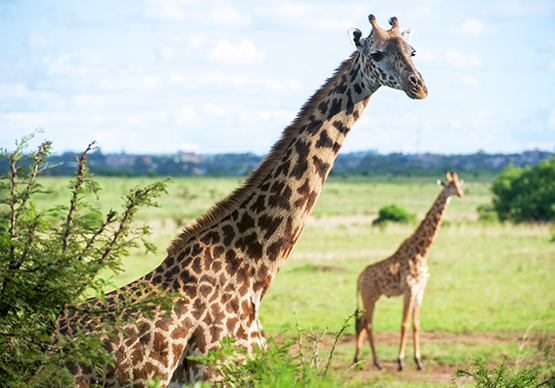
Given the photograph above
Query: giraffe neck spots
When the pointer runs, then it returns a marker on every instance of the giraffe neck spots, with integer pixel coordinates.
(426, 233)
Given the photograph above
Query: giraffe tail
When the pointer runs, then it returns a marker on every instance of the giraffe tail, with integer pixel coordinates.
(358, 313)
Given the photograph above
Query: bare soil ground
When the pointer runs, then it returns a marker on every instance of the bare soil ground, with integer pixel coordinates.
(433, 372)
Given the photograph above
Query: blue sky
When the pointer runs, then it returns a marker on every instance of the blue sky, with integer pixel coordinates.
(160, 76)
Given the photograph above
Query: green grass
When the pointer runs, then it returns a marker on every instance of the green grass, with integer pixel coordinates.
(485, 278)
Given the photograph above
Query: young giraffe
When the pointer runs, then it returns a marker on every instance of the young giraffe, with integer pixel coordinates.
(404, 273)
(225, 261)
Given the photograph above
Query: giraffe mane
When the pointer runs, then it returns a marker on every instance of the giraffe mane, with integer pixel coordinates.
(225, 206)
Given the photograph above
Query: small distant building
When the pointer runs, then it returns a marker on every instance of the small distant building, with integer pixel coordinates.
(188, 157)
(147, 159)
(120, 160)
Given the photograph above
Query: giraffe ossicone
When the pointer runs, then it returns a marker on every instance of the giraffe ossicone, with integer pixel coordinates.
(404, 273)
(225, 260)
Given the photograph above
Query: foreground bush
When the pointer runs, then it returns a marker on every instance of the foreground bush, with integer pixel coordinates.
(50, 260)
(502, 377)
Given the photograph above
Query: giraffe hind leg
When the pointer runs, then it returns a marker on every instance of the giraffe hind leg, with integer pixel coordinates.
(408, 305)
(366, 324)
(359, 327)
(416, 329)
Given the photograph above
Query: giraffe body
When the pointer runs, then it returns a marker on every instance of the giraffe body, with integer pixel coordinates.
(225, 261)
(404, 273)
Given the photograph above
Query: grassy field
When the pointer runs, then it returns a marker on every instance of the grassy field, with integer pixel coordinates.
(491, 285)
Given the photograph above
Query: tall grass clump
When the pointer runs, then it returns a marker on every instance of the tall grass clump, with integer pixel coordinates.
(502, 376)
(295, 362)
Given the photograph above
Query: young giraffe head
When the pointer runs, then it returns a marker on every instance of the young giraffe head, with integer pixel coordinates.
(387, 58)
(452, 184)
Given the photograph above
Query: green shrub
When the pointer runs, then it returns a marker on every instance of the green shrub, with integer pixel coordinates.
(501, 376)
(525, 194)
(393, 213)
(487, 214)
(49, 263)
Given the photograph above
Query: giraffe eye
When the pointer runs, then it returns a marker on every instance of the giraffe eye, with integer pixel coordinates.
(377, 56)
(413, 54)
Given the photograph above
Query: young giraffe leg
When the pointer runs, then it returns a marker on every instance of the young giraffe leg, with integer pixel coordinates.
(416, 329)
(366, 325)
(408, 304)
(360, 326)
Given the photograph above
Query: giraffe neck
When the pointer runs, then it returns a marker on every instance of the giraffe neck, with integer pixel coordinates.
(426, 233)
(257, 226)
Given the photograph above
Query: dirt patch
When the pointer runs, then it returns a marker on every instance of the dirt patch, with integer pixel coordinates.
(336, 220)
(433, 372)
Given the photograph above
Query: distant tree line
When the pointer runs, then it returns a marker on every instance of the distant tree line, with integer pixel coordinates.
(357, 163)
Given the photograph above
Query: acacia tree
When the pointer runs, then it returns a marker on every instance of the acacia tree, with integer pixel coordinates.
(51, 259)
(526, 194)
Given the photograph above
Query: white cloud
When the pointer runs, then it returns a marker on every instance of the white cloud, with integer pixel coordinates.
(225, 14)
(463, 60)
(37, 40)
(289, 10)
(470, 28)
(426, 55)
(330, 24)
(165, 10)
(89, 100)
(220, 13)
(243, 53)
(150, 82)
(198, 41)
(551, 65)
(551, 121)
(423, 12)
(468, 81)
(185, 115)
(220, 81)
(247, 115)
(76, 64)
(527, 9)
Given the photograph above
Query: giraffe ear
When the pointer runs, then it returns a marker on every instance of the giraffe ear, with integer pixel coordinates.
(355, 36)
(407, 35)
(440, 183)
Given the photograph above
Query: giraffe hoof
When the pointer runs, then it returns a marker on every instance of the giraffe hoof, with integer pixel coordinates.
(401, 364)
(419, 365)
(377, 364)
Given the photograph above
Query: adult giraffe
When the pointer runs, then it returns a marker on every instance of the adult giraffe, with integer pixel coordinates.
(225, 260)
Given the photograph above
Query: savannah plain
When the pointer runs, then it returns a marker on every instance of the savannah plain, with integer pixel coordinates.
(491, 293)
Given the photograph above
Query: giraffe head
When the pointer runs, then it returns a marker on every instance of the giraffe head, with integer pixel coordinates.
(452, 184)
(387, 58)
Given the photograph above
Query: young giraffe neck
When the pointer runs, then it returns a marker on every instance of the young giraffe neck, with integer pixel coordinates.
(262, 220)
(426, 233)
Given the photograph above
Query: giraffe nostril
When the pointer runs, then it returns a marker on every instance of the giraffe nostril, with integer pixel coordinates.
(413, 80)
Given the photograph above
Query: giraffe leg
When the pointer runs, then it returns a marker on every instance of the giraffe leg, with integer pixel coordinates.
(360, 326)
(416, 329)
(365, 324)
(369, 315)
(408, 302)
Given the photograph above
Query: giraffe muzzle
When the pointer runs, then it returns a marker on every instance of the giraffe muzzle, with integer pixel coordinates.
(414, 86)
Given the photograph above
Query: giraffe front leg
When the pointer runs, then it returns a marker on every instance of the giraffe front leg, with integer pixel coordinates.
(408, 302)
